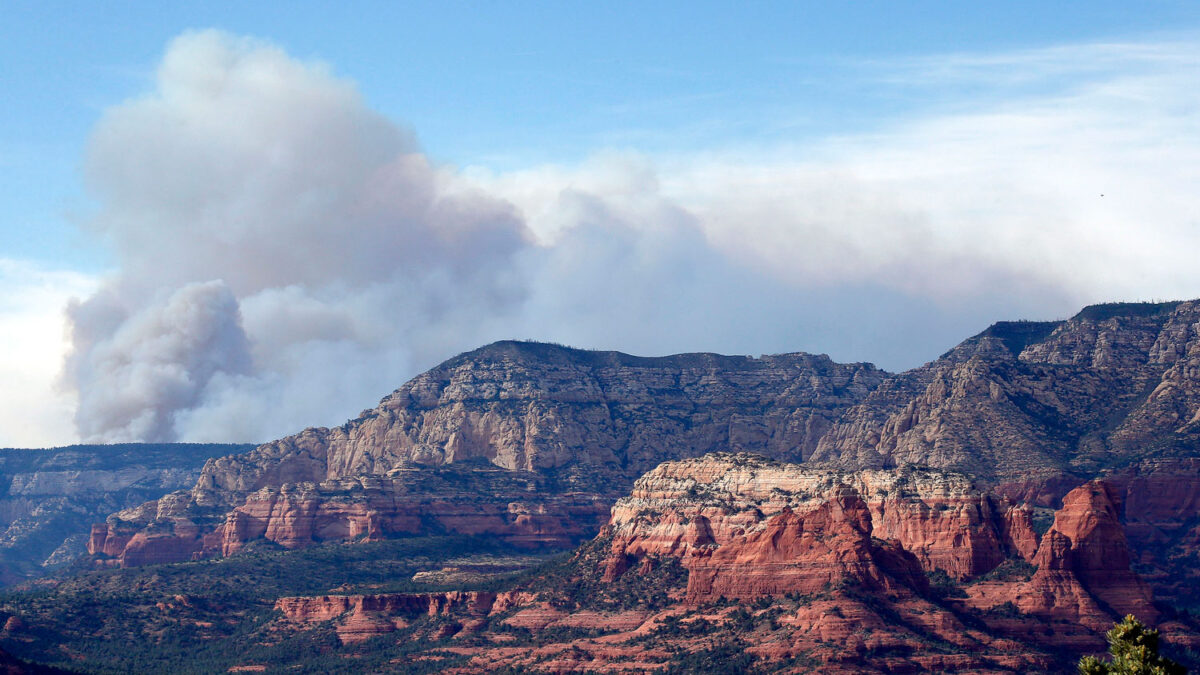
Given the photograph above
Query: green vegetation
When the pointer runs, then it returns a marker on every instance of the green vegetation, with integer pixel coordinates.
(1011, 569)
(114, 456)
(1110, 310)
(209, 615)
(944, 586)
(577, 582)
(1017, 335)
(730, 657)
(1134, 651)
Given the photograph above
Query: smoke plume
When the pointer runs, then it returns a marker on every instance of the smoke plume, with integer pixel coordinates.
(279, 244)
(287, 255)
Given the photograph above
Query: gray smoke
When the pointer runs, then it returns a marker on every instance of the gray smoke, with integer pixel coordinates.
(286, 255)
(279, 244)
(155, 360)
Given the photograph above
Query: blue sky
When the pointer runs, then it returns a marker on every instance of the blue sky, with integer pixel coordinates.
(269, 217)
(507, 85)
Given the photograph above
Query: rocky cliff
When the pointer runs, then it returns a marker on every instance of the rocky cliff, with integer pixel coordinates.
(360, 617)
(691, 508)
(792, 564)
(1083, 571)
(752, 529)
(573, 421)
(1039, 406)
(469, 498)
(1025, 410)
(49, 499)
(532, 406)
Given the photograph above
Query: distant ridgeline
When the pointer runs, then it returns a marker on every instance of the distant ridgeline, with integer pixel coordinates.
(993, 510)
(49, 498)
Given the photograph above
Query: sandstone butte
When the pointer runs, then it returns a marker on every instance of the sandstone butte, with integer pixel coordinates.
(749, 529)
(535, 442)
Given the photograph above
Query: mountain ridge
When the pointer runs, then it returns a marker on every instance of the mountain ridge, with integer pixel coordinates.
(989, 511)
(1034, 406)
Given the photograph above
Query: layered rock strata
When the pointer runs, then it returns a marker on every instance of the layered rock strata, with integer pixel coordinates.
(1039, 407)
(359, 617)
(581, 422)
(1030, 409)
(470, 500)
(748, 528)
(49, 498)
(692, 508)
(794, 562)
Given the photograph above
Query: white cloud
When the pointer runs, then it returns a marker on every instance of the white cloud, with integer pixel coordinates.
(287, 255)
(33, 340)
(278, 243)
(1087, 190)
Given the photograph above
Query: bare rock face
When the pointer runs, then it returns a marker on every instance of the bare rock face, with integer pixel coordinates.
(528, 406)
(1083, 565)
(580, 425)
(360, 617)
(49, 498)
(795, 553)
(519, 507)
(787, 561)
(746, 527)
(1038, 406)
(1028, 409)
(717, 507)
(1160, 499)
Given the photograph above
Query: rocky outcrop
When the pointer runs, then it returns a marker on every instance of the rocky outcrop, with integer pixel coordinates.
(803, 554)
(1160, 500)
(50, 498)
(785, 561)
(745, 527)
(531, 406)
(581, 423)
(691, 508)
(1041, 406)
(1027, 409)
(360, 617)
(469, 499)
(1082, 583)
(1083, 565)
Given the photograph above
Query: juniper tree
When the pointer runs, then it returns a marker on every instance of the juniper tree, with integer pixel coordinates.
(1134, 650)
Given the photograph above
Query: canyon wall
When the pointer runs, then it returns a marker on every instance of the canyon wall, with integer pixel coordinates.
(50, 498)
(1028, 409)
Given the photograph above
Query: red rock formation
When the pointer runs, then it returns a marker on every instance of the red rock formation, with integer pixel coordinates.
(463, 500)
(594, 419)
(1161, 498)
(748, 528)
(1030, 407)
(1017, 533)
(692, 507)
(795, 553)
(1083, 564)
(360, 617)
(804, 545)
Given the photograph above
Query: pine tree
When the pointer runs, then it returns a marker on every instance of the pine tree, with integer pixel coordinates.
(1134, 650)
